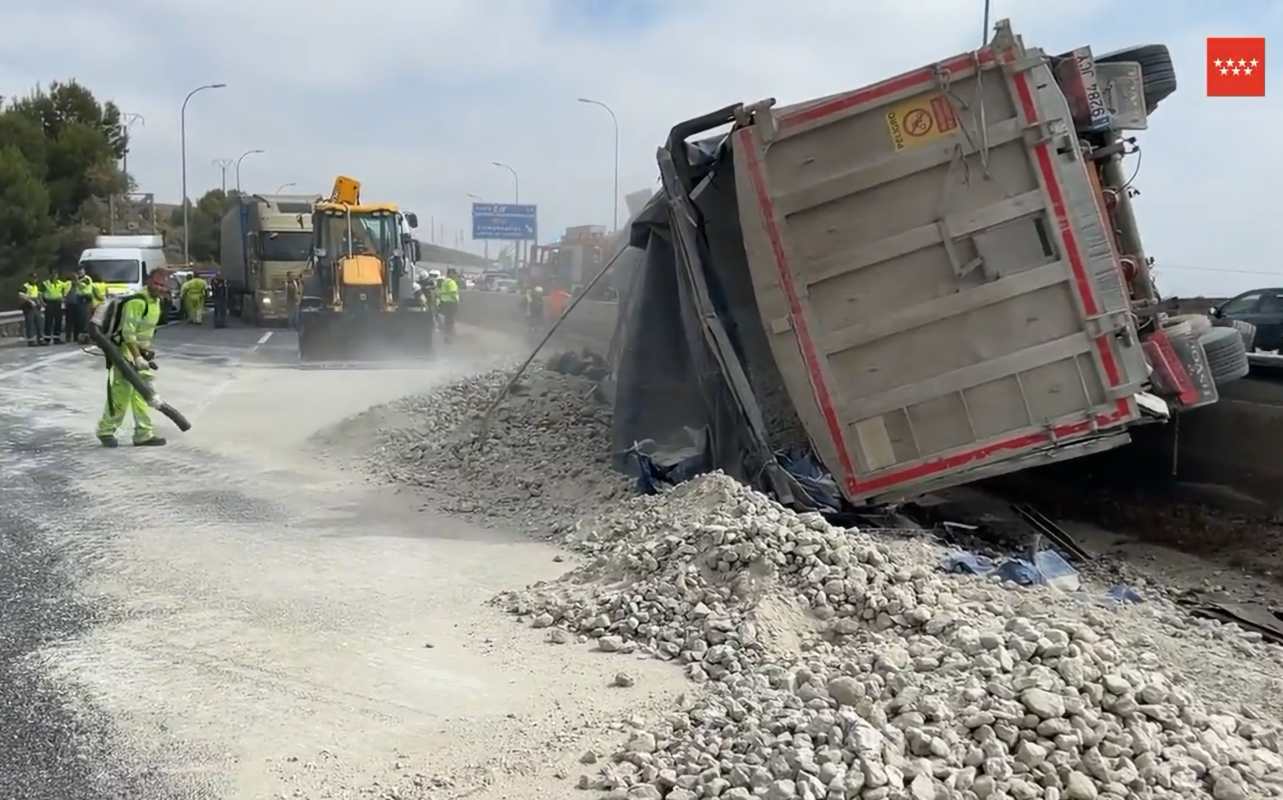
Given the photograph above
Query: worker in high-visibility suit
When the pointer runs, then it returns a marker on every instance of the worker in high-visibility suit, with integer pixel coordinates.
(194, 299)
(99, 295)
(33, 309)
(448, 301)
(139, 317)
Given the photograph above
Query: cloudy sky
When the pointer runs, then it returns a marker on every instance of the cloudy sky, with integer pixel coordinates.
(416, 98)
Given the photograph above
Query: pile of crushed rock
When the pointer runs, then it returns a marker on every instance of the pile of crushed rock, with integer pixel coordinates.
(543, 460)
(837, 666)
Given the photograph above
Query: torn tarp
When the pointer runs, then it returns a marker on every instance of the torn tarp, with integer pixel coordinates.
(690, 352)
(1047, 568)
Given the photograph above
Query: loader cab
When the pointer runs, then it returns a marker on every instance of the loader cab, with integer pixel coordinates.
(357, 254)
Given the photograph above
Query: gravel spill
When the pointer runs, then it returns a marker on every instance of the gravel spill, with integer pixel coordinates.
(833, 665)
(544, 461)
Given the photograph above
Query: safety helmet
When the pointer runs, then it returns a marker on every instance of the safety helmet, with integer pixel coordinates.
(434, 273)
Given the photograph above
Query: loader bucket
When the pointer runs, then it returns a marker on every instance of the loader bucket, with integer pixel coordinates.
(329, 335)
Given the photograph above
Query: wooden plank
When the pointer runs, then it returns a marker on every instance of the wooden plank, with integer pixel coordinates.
(891, 168)
(950, 305)
(961, 379)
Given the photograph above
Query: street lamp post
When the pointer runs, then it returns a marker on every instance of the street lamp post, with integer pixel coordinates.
(615, 120)
(285, 186)
(516, 199)
(238, 166)
(223, 164)
(485, 243)
(182, 136)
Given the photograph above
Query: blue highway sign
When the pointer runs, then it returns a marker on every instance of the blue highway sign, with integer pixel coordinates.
(501, 221)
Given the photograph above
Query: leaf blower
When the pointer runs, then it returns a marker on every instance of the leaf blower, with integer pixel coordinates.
(108, 316)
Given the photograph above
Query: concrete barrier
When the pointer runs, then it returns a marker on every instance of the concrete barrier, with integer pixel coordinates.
(591, 324)
(1237, 442)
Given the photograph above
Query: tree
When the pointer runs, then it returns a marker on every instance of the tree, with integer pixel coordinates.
(58, 152)
(26, 229)
(205, 220)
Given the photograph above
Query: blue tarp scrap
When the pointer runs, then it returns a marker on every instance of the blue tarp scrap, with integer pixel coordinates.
(1048, 568)
(818, 482)
(660, 468)
(1124, 594)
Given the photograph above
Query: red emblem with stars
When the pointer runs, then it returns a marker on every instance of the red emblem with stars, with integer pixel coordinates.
(1236, 66)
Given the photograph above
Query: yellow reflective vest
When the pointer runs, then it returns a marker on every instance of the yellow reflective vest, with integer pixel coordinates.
(448, 291)
(53, 289)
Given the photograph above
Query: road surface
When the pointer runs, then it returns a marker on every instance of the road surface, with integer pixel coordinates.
(239, 615)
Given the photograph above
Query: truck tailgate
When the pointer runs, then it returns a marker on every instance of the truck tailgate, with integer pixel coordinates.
(938, 285)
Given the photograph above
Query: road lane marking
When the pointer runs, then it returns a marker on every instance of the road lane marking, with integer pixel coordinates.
(262, 340)
(41, 363)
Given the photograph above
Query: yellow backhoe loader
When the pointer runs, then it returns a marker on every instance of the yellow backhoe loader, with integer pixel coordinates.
(361, 264)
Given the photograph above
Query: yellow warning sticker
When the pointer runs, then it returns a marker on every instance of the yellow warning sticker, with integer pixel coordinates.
(920, 120)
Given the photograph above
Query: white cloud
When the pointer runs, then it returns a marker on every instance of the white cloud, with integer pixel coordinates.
(416, 99)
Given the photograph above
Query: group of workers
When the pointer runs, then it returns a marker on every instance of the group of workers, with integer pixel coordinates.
(192, 296)
(58, 308)
(440, 295)
(540, 306)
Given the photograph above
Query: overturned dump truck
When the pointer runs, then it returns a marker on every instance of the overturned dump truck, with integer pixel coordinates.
(927, 281)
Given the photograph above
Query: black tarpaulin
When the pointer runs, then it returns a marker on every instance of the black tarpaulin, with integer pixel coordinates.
(696, 386)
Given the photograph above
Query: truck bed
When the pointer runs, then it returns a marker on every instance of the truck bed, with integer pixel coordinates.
(934, 274)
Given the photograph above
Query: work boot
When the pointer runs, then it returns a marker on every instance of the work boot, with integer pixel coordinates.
(155, 441)
(108, 441)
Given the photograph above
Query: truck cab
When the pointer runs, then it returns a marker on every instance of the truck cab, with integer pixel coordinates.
(265, 239)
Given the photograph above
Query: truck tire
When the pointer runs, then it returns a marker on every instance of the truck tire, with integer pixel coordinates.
(1245, 329)
(1226, 356)
(1199, 324)
(1157, 72)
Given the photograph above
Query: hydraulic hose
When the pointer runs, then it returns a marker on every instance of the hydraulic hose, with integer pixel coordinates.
(130, 374)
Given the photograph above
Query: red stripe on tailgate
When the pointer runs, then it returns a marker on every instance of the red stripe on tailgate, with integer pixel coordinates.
(878, 90)
(753, 161)
(1081, 282)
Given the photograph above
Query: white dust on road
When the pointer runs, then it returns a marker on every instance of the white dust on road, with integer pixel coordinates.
(280, 626)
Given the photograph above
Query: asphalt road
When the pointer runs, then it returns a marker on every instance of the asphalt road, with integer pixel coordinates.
(240, 614)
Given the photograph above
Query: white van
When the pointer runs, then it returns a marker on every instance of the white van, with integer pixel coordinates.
(123, 262)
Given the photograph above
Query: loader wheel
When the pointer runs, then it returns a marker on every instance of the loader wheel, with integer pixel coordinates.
(1226, 356)
(1245, 329)
(1158, 75)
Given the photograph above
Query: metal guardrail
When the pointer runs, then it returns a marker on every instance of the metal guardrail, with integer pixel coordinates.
(10, 324)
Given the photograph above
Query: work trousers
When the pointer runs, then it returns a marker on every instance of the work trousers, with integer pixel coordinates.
(33, 322)
(53, 320)
(77, 312)
(220, 313)
(195, 307)
(448, 312)
(122, 397)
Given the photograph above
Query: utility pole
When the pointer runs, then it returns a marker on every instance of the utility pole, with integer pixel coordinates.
(126, 122)
(223, 164)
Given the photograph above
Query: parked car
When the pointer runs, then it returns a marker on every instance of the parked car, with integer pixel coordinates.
(1262, 308)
